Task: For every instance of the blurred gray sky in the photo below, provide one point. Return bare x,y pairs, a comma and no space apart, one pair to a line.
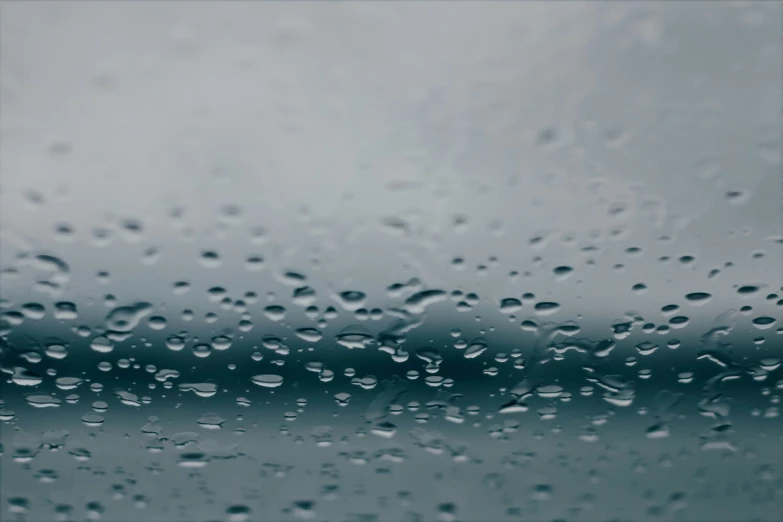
323,121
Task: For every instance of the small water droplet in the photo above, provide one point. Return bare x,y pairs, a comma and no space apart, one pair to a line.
210,259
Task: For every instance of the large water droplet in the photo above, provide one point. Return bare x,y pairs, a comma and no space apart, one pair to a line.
354,337
311,335
509,305
268,380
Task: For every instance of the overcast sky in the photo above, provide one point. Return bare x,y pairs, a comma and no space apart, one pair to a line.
322,122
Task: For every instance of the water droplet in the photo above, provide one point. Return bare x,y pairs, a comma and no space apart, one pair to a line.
65,311
43,401
311,335
352,300
292,278
216,293
748,289
669,310
764,322
210,259
342,398
541,492
354,337
254,263
238,513
102,344
268,380
368,383
698,297
272,342
303,296
434,380
509,305
132,229
551,391
93,419
679,321
737,196
275,312
33,310
304,509
202,389
195,459
418,302
25,377
202,350
546,308
175,343
56,351
221,342
315,366
211,421
35,197
64,232
476,348
157,322
646,348
181,287
68,383
18,505
447,512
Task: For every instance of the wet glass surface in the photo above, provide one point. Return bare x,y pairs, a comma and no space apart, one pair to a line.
437,261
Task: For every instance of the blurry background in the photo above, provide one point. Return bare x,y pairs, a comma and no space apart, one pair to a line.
526,165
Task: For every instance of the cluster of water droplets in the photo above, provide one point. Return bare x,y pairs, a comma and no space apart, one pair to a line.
385,364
